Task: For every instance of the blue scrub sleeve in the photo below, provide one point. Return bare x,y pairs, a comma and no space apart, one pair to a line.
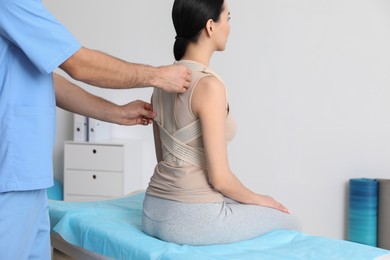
29,25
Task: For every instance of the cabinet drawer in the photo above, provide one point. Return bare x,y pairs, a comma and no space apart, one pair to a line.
93,183
94,157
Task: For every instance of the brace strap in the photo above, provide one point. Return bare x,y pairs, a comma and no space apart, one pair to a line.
177,144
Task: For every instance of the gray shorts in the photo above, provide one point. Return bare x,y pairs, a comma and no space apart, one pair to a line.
210,223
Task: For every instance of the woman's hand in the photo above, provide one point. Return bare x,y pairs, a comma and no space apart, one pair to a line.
267,201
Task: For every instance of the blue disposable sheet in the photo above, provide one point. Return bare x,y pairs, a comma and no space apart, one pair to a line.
113,228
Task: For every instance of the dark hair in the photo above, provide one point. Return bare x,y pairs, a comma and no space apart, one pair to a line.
189,18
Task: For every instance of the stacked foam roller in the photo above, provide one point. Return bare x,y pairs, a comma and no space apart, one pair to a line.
369,212
363,208
384,214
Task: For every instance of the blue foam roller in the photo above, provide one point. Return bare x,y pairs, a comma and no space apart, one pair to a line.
363,211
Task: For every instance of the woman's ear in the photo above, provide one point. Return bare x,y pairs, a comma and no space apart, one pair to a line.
210,27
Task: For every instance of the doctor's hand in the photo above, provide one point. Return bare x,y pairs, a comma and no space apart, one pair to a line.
173,78
137,112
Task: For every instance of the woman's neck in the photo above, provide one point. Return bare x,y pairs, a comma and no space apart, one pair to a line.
196,53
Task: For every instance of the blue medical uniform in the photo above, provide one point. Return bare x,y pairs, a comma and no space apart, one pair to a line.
32,44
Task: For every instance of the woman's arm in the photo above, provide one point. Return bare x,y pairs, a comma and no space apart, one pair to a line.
102,70
74,99
209,104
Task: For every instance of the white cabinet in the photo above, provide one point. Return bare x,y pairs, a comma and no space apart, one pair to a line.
104,170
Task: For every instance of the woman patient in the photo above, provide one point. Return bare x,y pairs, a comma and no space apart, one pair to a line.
193,197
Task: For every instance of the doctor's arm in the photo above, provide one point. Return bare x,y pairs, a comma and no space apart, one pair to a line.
74,99
209,104
99,69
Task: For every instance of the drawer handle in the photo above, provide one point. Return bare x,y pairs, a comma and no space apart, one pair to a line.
94,151
94,177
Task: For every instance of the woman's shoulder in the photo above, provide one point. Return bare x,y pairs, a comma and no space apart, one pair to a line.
210,83
209,94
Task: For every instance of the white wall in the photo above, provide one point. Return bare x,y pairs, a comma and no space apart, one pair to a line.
308,84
